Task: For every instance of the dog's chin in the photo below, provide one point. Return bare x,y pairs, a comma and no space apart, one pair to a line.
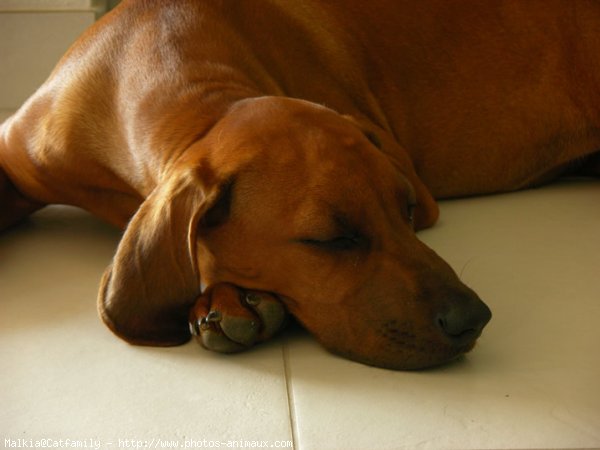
409,360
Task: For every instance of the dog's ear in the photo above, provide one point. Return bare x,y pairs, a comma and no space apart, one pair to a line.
153,281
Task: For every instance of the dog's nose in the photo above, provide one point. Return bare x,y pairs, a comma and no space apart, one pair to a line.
463,321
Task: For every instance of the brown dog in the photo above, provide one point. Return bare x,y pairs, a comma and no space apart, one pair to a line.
287,151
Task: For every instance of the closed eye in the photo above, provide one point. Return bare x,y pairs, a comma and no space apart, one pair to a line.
411,214
341,236
339,243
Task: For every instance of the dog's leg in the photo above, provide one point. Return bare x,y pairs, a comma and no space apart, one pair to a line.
589,166
14,206
592,166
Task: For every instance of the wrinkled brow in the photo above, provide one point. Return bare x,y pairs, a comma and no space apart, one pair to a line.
346,226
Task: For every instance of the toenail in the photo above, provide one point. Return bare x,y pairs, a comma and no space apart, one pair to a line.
253,299
195,327
214,316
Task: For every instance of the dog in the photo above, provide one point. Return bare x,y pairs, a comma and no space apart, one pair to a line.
267,158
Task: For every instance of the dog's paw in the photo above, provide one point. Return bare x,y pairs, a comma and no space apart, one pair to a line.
230,319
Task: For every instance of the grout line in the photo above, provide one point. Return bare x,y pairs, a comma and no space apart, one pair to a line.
290,394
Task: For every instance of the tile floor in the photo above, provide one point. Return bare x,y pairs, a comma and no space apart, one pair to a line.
532,382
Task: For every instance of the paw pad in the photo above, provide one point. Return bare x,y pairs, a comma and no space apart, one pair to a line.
229,319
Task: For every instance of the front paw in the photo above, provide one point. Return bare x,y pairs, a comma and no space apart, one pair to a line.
230,319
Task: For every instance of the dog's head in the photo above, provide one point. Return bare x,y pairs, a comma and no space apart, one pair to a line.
292,198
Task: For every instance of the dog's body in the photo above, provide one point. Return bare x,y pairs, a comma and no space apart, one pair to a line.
165,108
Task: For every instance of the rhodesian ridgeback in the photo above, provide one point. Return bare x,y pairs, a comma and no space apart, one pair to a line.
266,157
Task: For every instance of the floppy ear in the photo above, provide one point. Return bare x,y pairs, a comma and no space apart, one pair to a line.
148,290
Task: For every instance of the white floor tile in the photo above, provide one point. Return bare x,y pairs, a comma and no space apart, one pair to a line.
533,379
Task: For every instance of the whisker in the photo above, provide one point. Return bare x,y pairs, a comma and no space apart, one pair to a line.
460,275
